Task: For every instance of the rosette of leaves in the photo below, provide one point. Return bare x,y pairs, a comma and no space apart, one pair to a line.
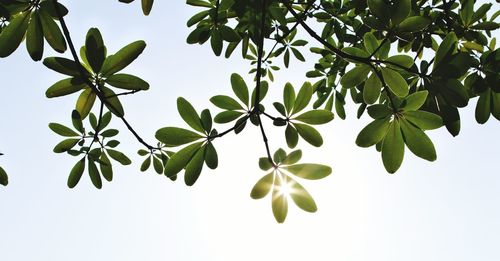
290,46
79,142
33,21
299,124
147,5
99,70
283,185
157,158
392,130
199,149
239,110
211,24
267,67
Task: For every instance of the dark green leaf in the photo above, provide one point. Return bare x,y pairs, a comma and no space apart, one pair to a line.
189,114
373,132
118,156
173,136
180,159
127,82
12,35
76,173
52,33
418,142
122,58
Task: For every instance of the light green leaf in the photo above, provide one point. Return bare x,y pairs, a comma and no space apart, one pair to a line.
415,100
309,134
76,173
288,97
315,117
417,141
424,120
355,76
373,133
12,35
65,87
372,88
303,97
180,159
396,83
309,170
262,187
240,88
393,148
301,197
173,136
65,145
85,103
124,57
189,114
194,167
226,103
279,202
292,158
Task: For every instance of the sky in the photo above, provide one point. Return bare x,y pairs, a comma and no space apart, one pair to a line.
445,210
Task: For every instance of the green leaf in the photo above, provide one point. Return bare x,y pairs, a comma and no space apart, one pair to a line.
400,59
199,3
194,167
447,47
12,35
454,93
189,114
483,107
52,33
288,97
265,164
301,197
226,103
279,156
85,103
216,42
292,158
393,148
180,159
424,120
292,136
157,165
95,51
315,117
62,130
76,173
379,8
279,202
264,87
309,134
370,42
211,158
228,34
396,83
113,102
373,133
379,111
95,177
173,136
355,76
146,164
239,88
466,11
227,116
372,88
400,10
303,97
488,25
309,170
197,18
65,145
206,120
62,65
414,24
4,179
106,167
127,82
65,87
147,5
124,57
415,100
118,156
34,37
417,141
262,187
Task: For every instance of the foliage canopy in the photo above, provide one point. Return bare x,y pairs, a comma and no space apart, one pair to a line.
408,64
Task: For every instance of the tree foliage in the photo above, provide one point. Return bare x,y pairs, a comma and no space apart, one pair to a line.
410,65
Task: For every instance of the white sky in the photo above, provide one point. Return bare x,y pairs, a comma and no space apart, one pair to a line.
446,210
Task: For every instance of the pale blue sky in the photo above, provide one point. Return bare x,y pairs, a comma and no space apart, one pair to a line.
446,210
